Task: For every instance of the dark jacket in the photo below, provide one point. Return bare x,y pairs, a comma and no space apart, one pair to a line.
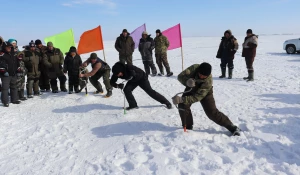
145,47
32,63
249,46
54,61
9,62
42,52
128,71
228,47
71,65
125,45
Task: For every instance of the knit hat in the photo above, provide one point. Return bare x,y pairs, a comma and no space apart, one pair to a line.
118,67
124,30
72,49
157,31
50,44
249,31
145,33
12,41
93,56
204,69
31,44
38,42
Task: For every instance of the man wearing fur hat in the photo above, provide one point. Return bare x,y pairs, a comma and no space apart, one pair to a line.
146,46
100,69
227,49
198,82
44,82
161,46
249,52
125,46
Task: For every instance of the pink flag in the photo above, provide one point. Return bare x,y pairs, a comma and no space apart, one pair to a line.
174,36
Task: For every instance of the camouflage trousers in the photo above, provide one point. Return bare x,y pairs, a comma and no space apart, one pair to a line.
20,82
162,59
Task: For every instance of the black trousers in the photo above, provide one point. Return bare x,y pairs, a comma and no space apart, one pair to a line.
44,82
62,81
149,64
209,106
73,82
145,85
9,83
227,62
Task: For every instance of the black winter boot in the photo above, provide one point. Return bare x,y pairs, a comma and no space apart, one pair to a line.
63,88
76,89
223,70
235,131
109,93
21,95
230,73
251,77
70,89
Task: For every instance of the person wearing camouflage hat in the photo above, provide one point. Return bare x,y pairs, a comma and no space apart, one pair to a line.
100,69
198,82
161,46
125,46
54,60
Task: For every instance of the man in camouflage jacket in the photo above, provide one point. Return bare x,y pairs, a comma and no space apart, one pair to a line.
21,76
161,47
198,81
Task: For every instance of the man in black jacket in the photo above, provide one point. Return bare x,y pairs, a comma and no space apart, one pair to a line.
71,65
145,47
9,66
136,77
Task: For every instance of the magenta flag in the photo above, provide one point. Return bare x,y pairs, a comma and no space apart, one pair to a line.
174,36
137,35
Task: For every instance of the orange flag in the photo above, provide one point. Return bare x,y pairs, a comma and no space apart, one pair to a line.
90,41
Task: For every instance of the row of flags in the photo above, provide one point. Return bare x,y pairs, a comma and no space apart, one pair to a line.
92,40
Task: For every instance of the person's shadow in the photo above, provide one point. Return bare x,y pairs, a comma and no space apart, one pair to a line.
86,108
129,128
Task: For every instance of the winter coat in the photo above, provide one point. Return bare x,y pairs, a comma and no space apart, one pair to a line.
71,65
32,62
42,52
54,61
202,88
136,73
9,62
125,45
249,46
145,47
228,47
161,44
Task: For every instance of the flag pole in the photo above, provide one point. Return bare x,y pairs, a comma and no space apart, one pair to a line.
103,44
182,57
181,46
104,55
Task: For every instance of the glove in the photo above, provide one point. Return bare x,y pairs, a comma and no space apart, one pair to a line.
133,73
120,86
190,83
176,100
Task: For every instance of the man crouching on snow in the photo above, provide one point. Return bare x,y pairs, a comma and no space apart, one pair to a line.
198,81
136,77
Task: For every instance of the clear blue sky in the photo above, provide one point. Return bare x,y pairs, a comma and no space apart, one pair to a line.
35,19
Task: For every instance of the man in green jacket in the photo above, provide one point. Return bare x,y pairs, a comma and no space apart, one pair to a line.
125,46
161,47
198,81
54,61
32,60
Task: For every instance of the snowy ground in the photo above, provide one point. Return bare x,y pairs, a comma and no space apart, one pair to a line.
78,134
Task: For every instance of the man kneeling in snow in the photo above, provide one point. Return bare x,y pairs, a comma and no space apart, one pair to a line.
136,77
198,81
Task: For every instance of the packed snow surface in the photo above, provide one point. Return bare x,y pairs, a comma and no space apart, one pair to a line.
78,134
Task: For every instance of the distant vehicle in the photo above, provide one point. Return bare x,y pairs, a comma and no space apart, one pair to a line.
292,46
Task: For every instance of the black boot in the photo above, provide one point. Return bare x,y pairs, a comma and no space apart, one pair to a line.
63,88
230,73
235,131
76,89
21,95
70,89
109,93
223,70
251,77
16,102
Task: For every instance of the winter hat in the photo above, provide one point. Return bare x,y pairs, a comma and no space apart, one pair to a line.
249,31
72,49
204,69
50,44
6,44
93,56
124,30
228,31
157,31
118,67
145,33
31,44
12,41
38,42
